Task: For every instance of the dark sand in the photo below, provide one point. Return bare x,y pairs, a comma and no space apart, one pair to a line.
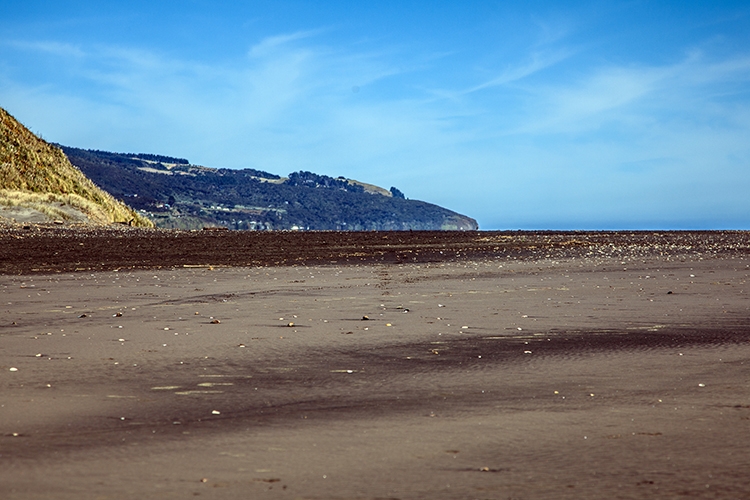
512,365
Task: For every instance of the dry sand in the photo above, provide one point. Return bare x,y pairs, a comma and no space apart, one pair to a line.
475,379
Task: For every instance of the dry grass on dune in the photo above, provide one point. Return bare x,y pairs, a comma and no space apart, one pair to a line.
36,175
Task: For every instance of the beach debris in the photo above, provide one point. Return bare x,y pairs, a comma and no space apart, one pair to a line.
215,412
290,324
121,340
701,385
12,369
204,480
388,324
441,305
365,318
215,322
527,352
241,345
117,315
83,316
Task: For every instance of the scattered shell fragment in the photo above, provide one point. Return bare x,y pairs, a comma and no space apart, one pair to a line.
117,315
13,369
215,412
215,321
365,318
290,324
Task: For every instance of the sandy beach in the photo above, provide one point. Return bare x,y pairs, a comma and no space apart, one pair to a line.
477,366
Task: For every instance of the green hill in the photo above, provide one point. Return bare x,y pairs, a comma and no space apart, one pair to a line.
38,182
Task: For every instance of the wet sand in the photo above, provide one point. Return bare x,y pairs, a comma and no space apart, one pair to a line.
566,371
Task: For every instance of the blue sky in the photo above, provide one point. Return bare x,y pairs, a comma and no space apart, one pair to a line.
523,115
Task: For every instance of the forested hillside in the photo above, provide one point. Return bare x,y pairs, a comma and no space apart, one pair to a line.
175,194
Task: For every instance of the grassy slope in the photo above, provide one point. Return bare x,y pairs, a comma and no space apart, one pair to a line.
37,175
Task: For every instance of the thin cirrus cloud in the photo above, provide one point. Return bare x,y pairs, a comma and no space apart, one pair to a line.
637,94
61,49
538,62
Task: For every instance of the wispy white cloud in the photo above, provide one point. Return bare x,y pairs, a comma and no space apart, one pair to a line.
538,61
633,94
272,44
53,48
